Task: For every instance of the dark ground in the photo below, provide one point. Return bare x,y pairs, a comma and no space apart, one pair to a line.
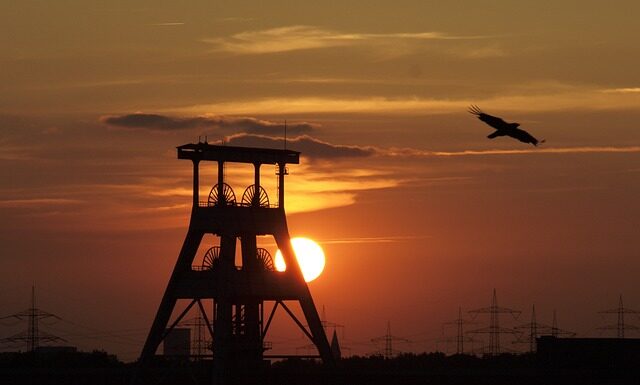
100,368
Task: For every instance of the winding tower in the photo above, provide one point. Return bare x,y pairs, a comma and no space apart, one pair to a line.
237,326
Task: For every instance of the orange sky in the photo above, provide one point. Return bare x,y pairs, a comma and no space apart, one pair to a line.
417,211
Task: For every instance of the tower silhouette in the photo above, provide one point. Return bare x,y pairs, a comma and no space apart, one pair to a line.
556,331
534,328
494,330
621,326
34,336
327,325
238,292
388,351
200,344
460,338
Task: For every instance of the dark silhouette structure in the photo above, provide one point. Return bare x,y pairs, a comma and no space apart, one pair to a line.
388,351
556,331
34,336
615,355
534,328
621,326
460,338
237,326
503,128
495,330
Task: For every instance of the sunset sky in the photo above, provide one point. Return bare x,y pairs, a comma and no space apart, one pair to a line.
417,211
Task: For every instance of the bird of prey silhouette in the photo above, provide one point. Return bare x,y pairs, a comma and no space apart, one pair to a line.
503,128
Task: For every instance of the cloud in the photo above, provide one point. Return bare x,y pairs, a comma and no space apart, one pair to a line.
167,24
411,152
628,90
38,202
557,150
553,98
303,37
310,147
230,124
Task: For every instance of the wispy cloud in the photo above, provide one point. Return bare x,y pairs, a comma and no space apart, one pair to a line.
230,124
168,24
479,52
317,149
309,146
303,37
629,90
552,150
38,202
325,105
358,240
520,98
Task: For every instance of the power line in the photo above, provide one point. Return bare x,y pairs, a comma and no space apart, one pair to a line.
460,338
621,326
494,330
33,336
388,351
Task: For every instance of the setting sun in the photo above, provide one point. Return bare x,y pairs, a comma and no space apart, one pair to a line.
310,257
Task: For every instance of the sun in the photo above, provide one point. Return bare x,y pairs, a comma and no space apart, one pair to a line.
310,257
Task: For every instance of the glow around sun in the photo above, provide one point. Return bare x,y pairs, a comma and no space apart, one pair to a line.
309,255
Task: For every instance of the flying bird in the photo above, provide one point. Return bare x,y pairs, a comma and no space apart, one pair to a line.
503,128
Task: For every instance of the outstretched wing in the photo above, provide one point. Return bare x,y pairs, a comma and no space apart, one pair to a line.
491,120
523,136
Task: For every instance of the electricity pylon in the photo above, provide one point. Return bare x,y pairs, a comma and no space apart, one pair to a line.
388,351
494,330
621,326
460,338
33,336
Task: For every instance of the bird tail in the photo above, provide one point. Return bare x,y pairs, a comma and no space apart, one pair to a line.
541,142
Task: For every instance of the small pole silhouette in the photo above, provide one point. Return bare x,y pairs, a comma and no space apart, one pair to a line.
621,326
494,330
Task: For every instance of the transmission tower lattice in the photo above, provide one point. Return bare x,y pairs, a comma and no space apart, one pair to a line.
460,338
388,339
556,331
327,326
494,330
621,326
33,336
201,345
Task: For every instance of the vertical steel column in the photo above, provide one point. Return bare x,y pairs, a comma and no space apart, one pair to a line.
196,183
281,171
256,196
221,198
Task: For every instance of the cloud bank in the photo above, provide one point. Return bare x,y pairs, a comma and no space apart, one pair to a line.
307,145
304,37
230,124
